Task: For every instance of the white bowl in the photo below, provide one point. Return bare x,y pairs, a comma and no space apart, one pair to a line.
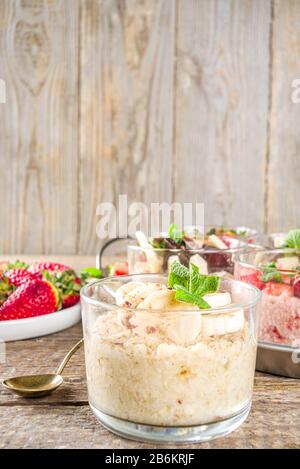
28,328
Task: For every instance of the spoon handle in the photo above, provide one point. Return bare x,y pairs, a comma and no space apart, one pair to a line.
68,356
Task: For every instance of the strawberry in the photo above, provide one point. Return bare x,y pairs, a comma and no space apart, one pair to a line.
68,284
70,300
6,288
225,239
254,279
296,287
277,289
118,268
50,267
19,276
249,275
32,298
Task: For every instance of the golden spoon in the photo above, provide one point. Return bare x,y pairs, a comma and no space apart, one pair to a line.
39,385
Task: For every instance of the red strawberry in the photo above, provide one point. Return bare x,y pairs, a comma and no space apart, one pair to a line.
70,300
32,298
277,289
19,276
6,288
118,268
225,240
296,287
50,267
249,275
254,279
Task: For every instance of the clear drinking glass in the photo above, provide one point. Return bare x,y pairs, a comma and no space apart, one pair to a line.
159,260
169,376
280,306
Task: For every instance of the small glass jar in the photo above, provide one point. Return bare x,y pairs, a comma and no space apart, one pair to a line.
169,376
159,260
280,310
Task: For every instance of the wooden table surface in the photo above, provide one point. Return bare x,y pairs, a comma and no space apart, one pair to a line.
64,420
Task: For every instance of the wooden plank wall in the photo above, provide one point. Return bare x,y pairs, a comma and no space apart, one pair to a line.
162,100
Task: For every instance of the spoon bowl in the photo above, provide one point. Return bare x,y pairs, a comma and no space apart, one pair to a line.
33,386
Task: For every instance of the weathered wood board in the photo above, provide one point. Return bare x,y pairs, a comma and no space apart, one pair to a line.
283,188
39,126
162,100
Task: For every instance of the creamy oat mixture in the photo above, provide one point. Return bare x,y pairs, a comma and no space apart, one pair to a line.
169,369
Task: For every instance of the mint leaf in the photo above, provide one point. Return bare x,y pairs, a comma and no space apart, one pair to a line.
203,284
92,272
179,275
182,294
196,279
211,284
158,243
293,239
190,286
175,234
270,272
275,276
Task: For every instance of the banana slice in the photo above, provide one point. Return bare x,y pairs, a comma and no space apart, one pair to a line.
287,263
200,263
221,324
161,300
279,240
132,297
217,300
123,291
181,328
155,262
217,242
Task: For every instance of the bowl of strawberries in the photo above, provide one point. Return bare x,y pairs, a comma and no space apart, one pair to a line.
39,299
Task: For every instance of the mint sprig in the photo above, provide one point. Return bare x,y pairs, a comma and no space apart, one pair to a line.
175,233
270,272
190,286
293,239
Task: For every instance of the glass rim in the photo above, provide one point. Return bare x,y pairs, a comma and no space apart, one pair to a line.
243,246
265,251
214,311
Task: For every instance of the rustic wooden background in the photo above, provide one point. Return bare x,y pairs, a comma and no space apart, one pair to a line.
163,100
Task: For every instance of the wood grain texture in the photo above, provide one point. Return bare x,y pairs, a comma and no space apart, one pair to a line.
163,100
39,126
221,108
283,196
273,422
126,105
